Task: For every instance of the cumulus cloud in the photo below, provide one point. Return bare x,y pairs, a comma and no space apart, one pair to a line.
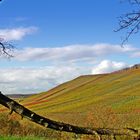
16,33
71,53
33,80
107,66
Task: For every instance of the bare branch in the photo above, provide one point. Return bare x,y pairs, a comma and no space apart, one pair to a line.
130,21
6,48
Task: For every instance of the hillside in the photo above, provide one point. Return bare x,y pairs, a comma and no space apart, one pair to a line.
105,94
118,90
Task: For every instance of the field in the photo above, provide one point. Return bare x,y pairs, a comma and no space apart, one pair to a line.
107,100
21,138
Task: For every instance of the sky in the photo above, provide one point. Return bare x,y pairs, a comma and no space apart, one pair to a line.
59,40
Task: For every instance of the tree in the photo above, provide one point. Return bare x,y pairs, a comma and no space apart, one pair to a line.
130,21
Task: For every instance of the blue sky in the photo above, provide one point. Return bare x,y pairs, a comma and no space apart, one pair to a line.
58,40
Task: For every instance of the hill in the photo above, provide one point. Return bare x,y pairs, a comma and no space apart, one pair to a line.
104,97
116,89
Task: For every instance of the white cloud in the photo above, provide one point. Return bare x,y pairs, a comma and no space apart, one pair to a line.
107,66
33,80
16,33
71,53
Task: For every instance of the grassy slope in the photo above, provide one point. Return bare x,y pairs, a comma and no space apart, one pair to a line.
73,100
21,138
118,90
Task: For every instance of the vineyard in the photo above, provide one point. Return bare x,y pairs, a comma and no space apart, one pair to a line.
95,101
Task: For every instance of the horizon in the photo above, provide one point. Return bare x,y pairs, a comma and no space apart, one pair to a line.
56,41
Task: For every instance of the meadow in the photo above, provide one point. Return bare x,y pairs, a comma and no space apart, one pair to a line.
105,101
